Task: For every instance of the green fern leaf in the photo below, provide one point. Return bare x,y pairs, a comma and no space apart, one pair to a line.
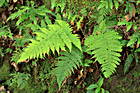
134,38
105,47
57,36
128,62
66,64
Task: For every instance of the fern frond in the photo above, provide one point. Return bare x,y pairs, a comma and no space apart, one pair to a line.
105,47
57,36
30,13
134,38
66,64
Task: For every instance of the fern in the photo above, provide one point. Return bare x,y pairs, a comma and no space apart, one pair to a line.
105,47
56,37
134,38
28,14
66,64
5,32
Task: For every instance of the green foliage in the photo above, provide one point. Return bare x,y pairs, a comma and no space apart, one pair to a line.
67,62
1,52
47,36
30,14
16,56
103,9
30,18
105,47
128,62
135,38
56,37
58,3
128,24
18,80
133,56
3,2
5,32
136,74
87,62
4,70
108,4
97,87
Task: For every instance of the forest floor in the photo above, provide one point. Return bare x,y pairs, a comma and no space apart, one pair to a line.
120,83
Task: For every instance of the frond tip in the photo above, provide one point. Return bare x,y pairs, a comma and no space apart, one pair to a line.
105,47
57,36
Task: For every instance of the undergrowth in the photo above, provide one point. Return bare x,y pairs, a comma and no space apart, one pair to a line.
54,45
